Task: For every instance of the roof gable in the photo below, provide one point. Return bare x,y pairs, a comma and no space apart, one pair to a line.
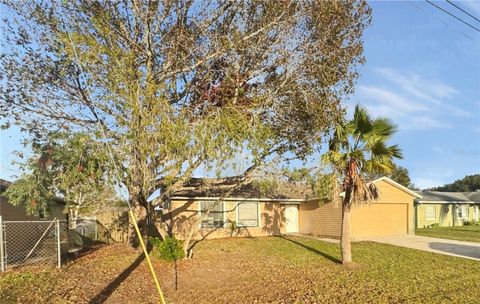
397,185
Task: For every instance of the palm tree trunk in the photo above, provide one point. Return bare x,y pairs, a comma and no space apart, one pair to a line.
345,243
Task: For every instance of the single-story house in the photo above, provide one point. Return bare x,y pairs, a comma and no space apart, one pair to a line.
446,208
199,212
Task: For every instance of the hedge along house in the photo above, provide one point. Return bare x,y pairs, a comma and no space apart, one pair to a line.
199,213
446,208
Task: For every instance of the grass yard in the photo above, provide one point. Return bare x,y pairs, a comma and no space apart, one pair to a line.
461,233
260,270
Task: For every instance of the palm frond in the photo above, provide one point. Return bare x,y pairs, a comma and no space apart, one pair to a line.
395,151
362,121
362,191
384,127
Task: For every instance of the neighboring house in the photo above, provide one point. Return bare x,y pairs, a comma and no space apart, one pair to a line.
198,212
10,212
446,208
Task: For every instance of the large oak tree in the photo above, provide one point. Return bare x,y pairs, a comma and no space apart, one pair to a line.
172,86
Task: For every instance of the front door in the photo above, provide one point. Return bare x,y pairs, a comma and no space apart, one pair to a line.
291,218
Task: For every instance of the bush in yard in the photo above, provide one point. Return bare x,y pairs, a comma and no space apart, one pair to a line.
170,250
471,223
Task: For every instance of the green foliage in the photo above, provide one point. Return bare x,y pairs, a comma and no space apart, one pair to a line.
32,192
170,87
72,166
469,183
324,184
433,225
169,97
170,249
471,223
265,185
401,176
398,174
358,148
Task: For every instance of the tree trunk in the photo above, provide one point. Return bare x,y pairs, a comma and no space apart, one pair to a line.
345,242
176,275
140,212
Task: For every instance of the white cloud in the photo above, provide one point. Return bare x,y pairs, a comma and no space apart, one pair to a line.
407,113
430,91
392,99
413,101
426,123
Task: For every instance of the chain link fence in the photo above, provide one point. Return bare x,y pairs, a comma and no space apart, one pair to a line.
45,242
29,242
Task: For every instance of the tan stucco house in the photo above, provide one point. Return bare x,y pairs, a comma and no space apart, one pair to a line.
200,213
446,208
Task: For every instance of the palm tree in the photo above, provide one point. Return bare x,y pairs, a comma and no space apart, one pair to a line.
357,148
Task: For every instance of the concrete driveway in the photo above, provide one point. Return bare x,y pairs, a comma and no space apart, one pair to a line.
468,250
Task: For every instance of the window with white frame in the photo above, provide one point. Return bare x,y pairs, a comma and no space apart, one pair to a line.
462,212
430,212
247,214
212,214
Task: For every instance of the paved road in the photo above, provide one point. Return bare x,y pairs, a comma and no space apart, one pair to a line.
468,250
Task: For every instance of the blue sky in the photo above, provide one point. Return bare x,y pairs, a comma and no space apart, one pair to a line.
422,71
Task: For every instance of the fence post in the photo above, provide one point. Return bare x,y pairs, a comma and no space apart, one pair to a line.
96,229
2,253
59,254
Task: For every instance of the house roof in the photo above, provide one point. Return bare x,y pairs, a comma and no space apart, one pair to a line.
449,197
474,196
397,185
4,184
214,188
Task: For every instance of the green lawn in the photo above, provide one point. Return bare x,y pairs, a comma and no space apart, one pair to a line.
461,233
255,270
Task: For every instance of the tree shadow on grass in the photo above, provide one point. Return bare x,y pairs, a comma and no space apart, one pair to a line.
107,291
311,249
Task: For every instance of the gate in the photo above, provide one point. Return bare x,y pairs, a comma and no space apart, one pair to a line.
29,242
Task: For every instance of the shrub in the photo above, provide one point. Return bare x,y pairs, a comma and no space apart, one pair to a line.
169,249
433,225
471,223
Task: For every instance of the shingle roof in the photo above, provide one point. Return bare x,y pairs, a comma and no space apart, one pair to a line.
4,184
212,187
436,196
474,196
